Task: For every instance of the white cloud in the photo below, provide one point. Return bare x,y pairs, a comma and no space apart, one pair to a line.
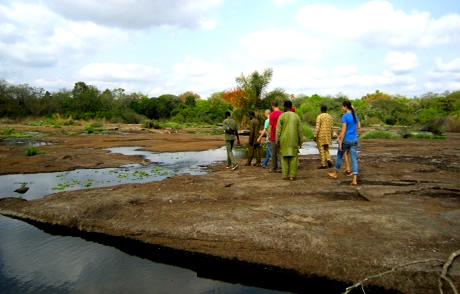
290,46
345,70
448,67
113,72
35,36
202,77
140,13
377,23
401,62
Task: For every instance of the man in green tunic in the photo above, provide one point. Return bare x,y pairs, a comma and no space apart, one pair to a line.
231,132
289,138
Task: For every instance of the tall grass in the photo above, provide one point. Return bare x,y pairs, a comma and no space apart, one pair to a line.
380,135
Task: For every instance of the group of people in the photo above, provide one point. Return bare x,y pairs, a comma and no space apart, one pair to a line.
284,139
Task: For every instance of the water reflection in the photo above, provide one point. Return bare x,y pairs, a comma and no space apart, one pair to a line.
32,261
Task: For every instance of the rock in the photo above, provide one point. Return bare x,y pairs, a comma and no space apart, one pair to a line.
22,190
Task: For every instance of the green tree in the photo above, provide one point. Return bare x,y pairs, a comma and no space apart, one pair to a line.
254,84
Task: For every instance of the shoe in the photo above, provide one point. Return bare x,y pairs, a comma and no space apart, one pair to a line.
348,173
329,163
227,167
322,167
235,167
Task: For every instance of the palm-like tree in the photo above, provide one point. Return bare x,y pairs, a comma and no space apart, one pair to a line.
254,84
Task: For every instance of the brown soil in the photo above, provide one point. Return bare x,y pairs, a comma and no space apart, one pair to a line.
406,208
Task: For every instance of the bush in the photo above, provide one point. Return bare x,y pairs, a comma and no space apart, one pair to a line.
453,124
150,124
380,135
31,151
307,131
8,131
435,125
89,129
427,136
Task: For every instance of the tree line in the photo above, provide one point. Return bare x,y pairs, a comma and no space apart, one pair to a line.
431,110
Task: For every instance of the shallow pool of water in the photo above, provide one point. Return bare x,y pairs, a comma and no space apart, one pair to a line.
33,261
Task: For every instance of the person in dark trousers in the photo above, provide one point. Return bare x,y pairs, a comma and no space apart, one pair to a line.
254,144
273,121
231,133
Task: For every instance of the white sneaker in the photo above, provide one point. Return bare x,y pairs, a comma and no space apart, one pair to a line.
235,167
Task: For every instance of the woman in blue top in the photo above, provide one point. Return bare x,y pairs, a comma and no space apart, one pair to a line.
348,141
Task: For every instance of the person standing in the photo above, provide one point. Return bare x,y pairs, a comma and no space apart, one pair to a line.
289,138
348,141
273,121
323,136
265,132
254,144
231,133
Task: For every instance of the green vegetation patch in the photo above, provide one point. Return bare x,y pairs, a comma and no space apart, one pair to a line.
380,135
426,136
31,151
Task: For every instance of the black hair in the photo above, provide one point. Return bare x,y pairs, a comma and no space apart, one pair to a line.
275,103
347,104
227,114
323,108
252,114
288,104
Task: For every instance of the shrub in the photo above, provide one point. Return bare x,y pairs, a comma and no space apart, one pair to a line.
31,151
427,136
307,131
150,124
380,135
89,129
453,124
8,131
435,125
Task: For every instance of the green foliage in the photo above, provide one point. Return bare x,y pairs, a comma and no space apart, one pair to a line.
377,134
307,131
150,124
432,111
31,151
427,136
89,129
8,131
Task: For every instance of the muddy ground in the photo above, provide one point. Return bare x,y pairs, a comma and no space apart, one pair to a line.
406,210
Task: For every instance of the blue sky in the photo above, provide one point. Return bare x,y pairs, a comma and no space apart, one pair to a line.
157,47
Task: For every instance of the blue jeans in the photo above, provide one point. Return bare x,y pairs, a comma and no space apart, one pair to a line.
352,147
267,155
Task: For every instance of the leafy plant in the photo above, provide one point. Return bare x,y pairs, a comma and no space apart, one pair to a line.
31,151
377,134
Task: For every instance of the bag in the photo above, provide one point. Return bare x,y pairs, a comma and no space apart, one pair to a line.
229,130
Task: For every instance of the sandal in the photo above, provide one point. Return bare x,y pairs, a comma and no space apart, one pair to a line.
348,173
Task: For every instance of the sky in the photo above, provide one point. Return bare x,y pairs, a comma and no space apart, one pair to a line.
353,47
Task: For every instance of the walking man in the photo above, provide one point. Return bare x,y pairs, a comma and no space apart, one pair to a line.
254,144
289,138
231,132
323,136
265,132
273,121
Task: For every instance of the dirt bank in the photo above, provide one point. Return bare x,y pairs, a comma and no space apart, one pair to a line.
406,209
